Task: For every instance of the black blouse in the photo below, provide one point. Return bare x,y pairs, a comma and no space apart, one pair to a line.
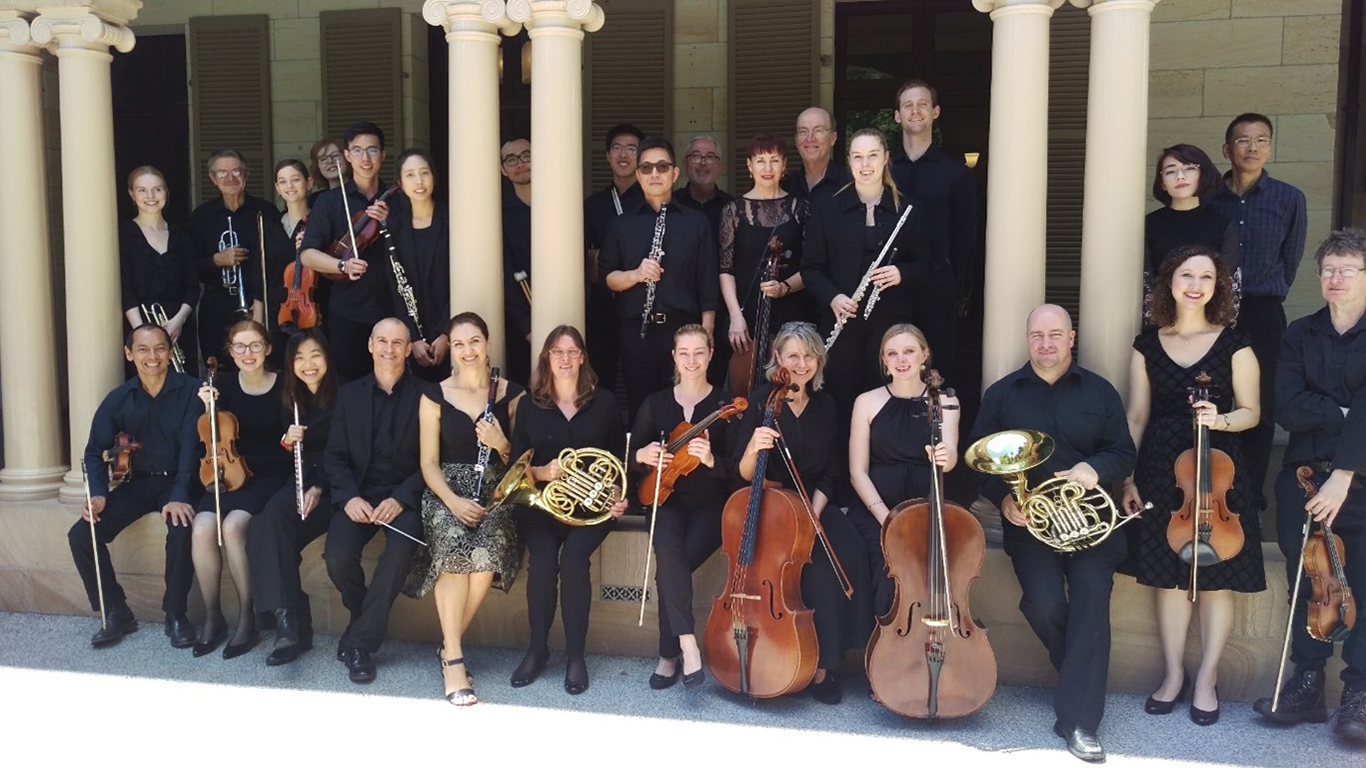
146,276
458,442
1166,229
423,254
810,437
318,423
661,413
261,423
746,228
547,432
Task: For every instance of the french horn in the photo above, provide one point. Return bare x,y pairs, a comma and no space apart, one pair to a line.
594,480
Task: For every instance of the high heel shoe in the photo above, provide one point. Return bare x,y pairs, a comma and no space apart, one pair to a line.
211,642
1154,706
461,697
1205,716
533,664
659,682
232,651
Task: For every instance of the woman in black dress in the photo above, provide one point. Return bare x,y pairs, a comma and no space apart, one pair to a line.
1184,176
889,433
469,546
279,534
1193,314
566,409
422,242
688,524
252,393
807,425
156,265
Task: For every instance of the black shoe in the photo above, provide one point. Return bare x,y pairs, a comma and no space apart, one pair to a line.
285,655
827,691
575,677
533,664
118,621
293,636
211,643
1301,700
1205,716
180,630
1081,742
286,627
360,665
460,697
1154,706
659,682
1350,723
233,650
694,679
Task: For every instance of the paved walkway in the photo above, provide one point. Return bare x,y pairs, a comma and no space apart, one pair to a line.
140,702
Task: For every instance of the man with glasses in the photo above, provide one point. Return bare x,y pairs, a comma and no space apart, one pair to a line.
362,298
227,254
1271,221
516,168
820,176
1321,401
681,274
704,164
601,207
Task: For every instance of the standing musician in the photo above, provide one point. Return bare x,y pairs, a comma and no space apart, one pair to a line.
422,241
156,265
807,426
704,164
227,252
1193,312
292,185
360,297
279,534
600,209
325,167
1066,596
660,258
565,409
1321,401
464,425
158,410
252,394
888,435
372,465
688,524
821,174
515,165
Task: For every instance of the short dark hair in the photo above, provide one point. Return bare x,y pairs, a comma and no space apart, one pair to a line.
918,83
621,129
1219,310
128,337
1247,117
766,143
1186,154
1348,241
656,143
362,128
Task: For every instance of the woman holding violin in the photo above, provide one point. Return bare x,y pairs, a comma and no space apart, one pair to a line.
156,266
422,246
251,394
807,425
1192,311
292,292
688,522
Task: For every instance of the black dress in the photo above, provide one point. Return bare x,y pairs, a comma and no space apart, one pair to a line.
1168,433
169,279
1166,229
746,228
260,425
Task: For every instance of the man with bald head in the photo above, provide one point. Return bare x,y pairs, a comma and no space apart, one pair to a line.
820,174
372,464
1066,595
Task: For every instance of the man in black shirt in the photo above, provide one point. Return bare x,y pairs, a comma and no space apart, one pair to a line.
662,250
601,207
363,298
1321,401
820,175
947,194
1066,596
704,164
159,409
372,464
516,168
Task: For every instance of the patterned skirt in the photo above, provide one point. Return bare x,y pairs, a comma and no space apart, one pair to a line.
453,547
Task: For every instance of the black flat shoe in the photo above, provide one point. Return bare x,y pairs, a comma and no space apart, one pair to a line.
211,644
693,679
533,664
1155,706
827,691
118,621
180,630
575,677
233,650
659,682
1205,716
360,666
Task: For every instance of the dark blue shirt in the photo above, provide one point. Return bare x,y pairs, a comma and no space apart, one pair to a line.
1271,224
165,425
1320,372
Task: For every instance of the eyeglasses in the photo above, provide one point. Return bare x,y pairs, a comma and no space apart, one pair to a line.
698,157
812,133
1183,170
236,173
566,354
629,149
662,167
512,161
242,349
1346,273
370,152
1243,142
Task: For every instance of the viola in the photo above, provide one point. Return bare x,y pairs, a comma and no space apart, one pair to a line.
1332,612
1204,531
119,458
746,367
363,233
218,430
928,658
683,463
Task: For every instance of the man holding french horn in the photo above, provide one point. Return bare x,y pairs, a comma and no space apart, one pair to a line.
1053,406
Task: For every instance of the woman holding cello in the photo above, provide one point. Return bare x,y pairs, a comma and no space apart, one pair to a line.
1192,311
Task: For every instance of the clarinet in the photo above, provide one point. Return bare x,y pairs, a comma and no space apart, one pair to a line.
656,253
405,291
485,453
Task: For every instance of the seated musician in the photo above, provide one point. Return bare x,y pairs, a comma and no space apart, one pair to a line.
888,436
1321,401
158,410
807,424
371,462
688,524
1066,596
565,409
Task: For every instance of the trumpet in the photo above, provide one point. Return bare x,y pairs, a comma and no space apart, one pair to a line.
155,314
232,276
594,480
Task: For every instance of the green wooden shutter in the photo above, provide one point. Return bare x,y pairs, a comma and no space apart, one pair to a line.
628,77
361,66
229,67
1068,78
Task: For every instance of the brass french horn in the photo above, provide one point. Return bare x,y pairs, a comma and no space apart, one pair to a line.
593,481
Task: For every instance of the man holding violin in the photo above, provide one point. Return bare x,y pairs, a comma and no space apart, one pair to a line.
1321,401
158,410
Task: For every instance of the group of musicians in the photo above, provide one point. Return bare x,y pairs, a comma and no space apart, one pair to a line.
397,421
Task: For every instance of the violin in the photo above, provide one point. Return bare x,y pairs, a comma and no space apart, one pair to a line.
1204,531
119,458
683,463
218,431
928,658
299,310
746,367
363,233
1332,612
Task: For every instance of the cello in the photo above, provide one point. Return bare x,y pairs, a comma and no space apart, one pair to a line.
1204,531
928,658
745,368
683,463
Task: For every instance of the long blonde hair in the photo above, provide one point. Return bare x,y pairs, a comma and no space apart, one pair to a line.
886,169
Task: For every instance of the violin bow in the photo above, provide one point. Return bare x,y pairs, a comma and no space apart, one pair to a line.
654,516
350,225
94,546
1305,476
265,291
212,365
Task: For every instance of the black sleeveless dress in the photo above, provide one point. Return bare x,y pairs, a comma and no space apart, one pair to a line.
1168,433
897,437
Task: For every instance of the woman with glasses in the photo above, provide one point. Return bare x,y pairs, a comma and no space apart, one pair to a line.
1184,177
156,266
324,169
422,242
253,394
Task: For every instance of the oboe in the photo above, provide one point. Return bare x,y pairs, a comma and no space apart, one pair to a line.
485,452
656,253
405,291
868,278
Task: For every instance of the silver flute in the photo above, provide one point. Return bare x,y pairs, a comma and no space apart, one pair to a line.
485,453
298,449
155,314
862,288
232,276
405,290
656,253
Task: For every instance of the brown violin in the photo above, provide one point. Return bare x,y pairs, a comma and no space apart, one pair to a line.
927,657
299,310
218,431
362,234
745,368
119,458
683,463
1332,611
1204,531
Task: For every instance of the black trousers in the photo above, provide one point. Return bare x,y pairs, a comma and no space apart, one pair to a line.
1263,319
687,532
217,312
370,606
122,507
841,622
1350,525
1067,603
647,364
934,310
518,366
557,559
275,539
601,331
881,587
348,341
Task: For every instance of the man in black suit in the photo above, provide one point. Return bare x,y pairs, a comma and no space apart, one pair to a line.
372,464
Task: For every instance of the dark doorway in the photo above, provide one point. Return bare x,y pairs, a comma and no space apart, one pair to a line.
152,119
1351,187
514,92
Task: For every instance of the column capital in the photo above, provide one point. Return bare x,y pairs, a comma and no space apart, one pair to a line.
999,8
576,15
486,16
91,26
16,34
1100,6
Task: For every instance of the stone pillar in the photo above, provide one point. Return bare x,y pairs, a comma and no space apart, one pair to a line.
476,208
1116,186
33,441
1017,187
556,28
80,36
